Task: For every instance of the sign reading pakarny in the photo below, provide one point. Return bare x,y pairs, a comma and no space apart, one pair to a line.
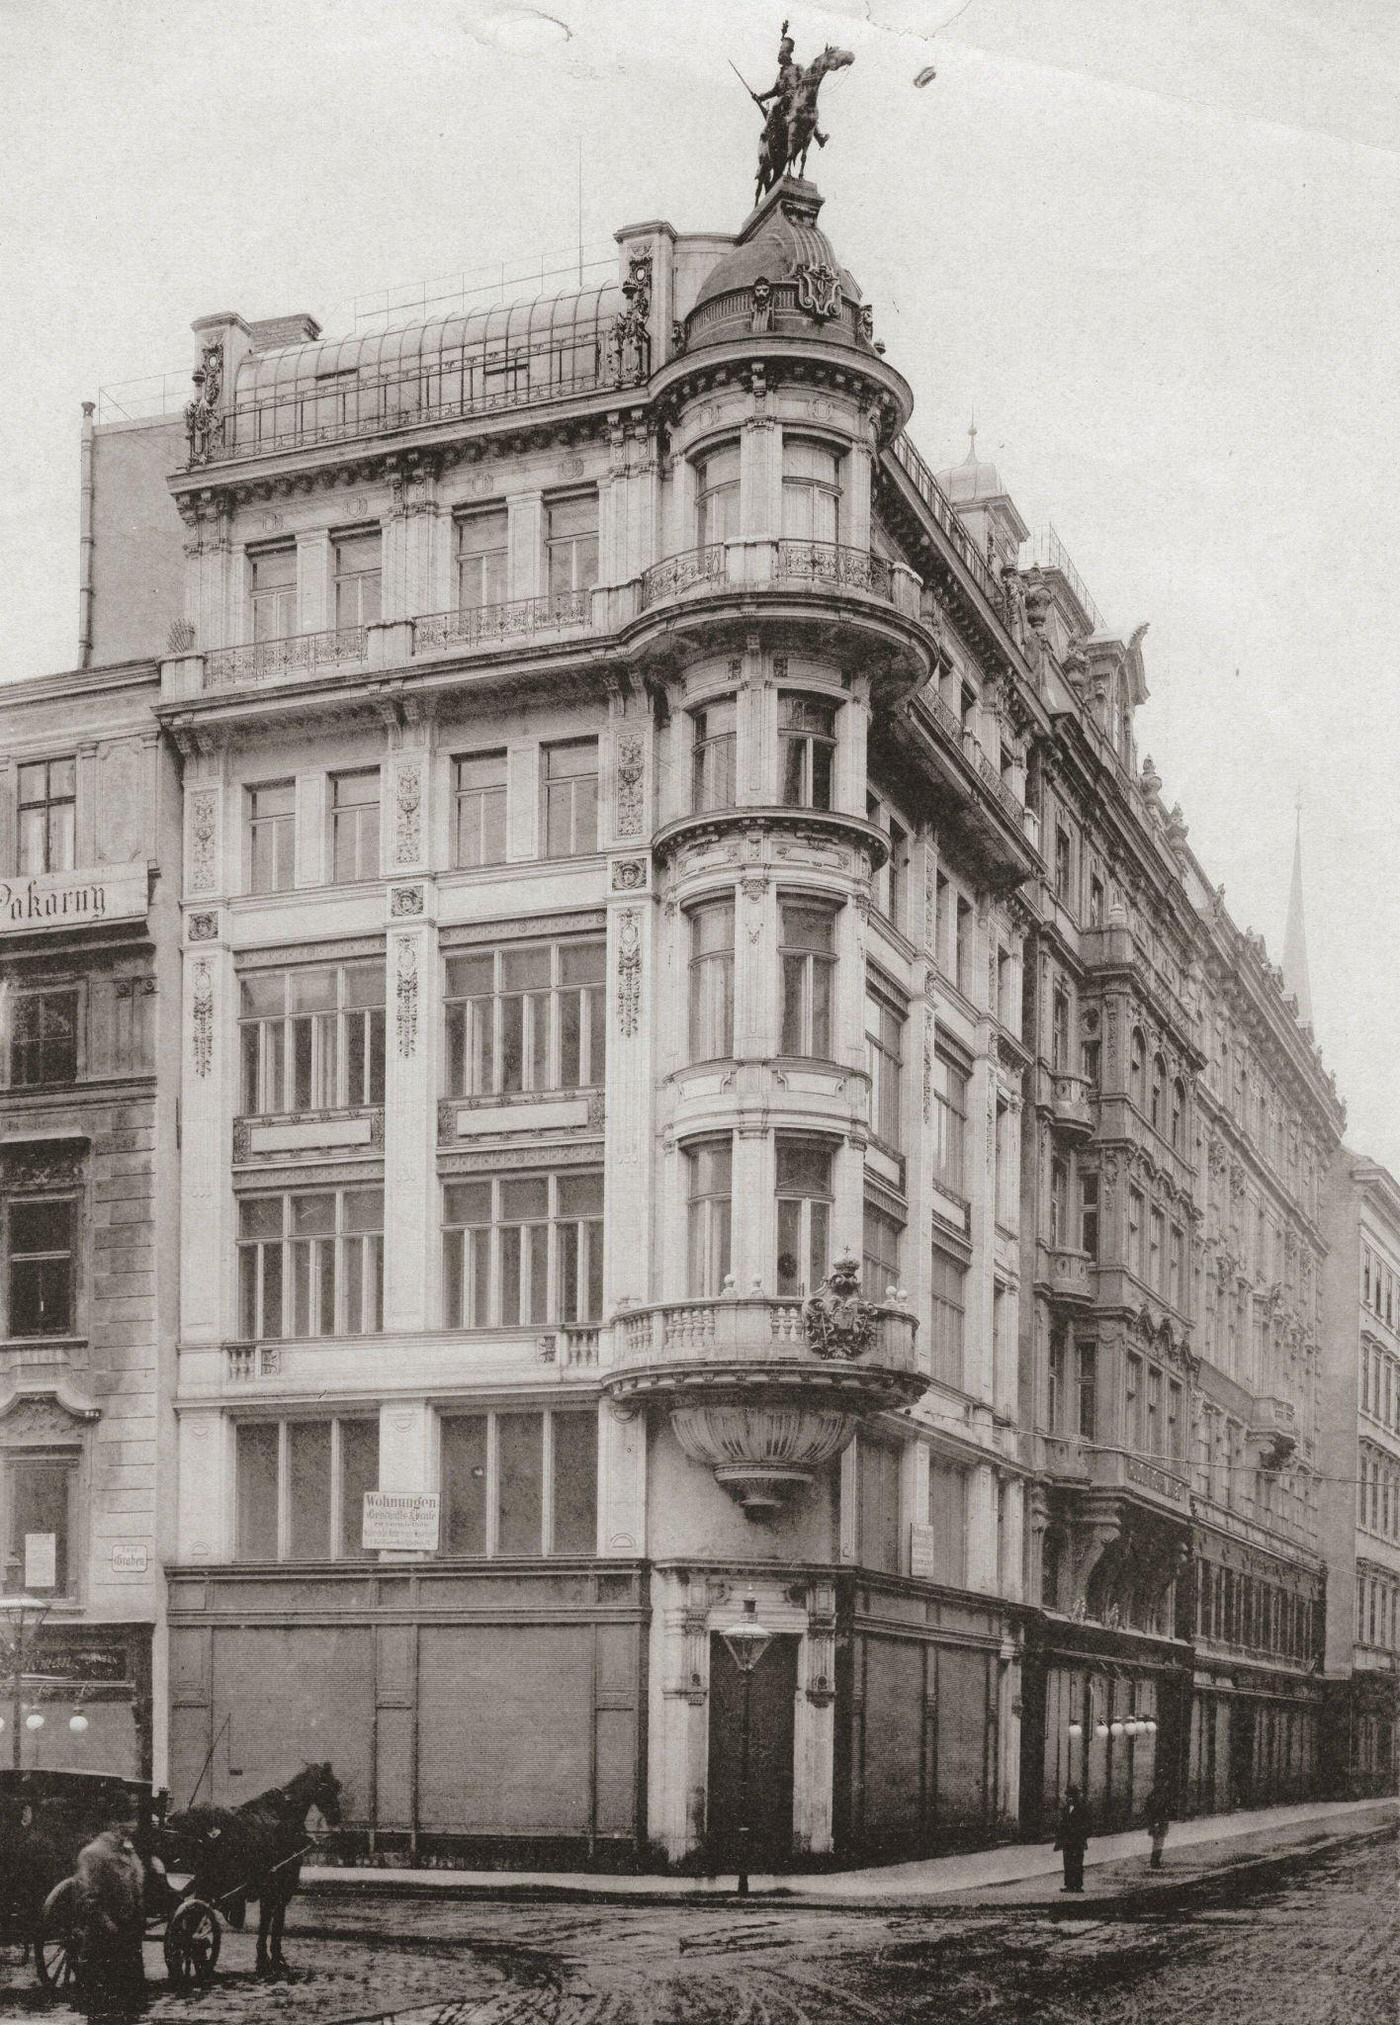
405,1522
72,899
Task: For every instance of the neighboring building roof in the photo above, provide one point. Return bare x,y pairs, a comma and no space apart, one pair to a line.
1296,982
973,479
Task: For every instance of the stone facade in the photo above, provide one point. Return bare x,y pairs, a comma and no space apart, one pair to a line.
1359,1443
89,854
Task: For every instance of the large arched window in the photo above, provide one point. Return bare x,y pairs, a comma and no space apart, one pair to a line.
1137,1074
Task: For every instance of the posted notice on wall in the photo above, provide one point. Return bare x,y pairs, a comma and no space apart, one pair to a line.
402,1523
923,1553
40,1560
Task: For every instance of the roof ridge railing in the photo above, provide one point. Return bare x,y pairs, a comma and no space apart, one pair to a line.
441,294
1049,552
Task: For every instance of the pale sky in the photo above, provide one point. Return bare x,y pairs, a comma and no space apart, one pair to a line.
1153,243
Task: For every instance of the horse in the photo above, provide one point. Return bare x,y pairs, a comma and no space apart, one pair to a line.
791,126
255,1851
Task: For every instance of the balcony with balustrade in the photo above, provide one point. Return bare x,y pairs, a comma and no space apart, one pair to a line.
755,1390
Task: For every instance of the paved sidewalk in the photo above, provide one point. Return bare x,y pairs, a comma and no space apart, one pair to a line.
1017,1873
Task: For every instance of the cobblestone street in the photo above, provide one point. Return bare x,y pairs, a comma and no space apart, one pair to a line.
1313,1938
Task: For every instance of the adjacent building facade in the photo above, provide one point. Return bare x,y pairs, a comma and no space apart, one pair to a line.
89,885
1360,1441
705,1072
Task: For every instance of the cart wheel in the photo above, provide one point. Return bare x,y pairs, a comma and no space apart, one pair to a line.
192,1940
58,1939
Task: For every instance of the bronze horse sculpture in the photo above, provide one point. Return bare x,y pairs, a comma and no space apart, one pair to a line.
791,123
255,1851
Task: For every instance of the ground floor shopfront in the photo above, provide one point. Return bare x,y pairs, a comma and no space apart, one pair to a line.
1361,1732
1255,1737
84,1701
1103,1710
590,1713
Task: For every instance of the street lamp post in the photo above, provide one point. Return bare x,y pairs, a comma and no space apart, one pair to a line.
25,1614
747,1642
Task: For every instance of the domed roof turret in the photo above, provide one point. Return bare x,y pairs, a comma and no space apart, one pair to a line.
782,275
973,479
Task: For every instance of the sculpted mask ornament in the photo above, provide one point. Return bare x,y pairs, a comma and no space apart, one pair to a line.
837,1321
761,306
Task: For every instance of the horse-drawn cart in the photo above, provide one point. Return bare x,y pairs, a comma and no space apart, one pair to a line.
46,1820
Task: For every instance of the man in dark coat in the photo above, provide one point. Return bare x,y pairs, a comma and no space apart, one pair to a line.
1158,1819
112,1914
1072,1838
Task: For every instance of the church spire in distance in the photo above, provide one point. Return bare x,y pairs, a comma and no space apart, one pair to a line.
1295,941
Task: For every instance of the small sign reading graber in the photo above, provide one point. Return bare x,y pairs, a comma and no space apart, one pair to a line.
403,1523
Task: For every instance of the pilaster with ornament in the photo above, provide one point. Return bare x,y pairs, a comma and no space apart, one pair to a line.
208,1100
629,1124
410,1110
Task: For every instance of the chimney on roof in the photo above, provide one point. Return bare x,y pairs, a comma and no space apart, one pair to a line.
272,332
1295,941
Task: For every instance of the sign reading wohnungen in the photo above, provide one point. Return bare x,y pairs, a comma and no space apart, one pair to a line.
72,899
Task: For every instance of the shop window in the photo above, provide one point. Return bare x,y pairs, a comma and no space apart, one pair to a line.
571,798
43,1038
495,1470
312,1039
47,802
523,1250
39,1492
299,1487
311,1263
804,1215
41,1233
526,1016
709,1216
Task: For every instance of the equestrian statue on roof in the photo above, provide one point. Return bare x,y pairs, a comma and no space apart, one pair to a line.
790,122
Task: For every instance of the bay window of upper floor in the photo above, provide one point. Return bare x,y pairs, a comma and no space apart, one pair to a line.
311,1262
525,1017
812,491
311,1037
786,747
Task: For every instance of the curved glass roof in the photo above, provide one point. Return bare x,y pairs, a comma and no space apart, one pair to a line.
512,355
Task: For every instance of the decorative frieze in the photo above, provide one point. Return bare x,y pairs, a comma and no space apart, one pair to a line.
631,772
202,1016
204,825
408,816
629,971
406,996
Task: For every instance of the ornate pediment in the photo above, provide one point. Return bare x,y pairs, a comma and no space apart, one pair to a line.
50,1415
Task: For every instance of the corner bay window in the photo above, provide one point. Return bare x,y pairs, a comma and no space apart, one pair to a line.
479,809
711,995
571,798
807,950
709,1217
528,1016
482,550
311,1263
355,826
712,756
272,811
313,1039
717,495
43,1038
807,738
804,1215
47,799
300,1487
523,1250
41,1233
811,491
38,1492
519,1483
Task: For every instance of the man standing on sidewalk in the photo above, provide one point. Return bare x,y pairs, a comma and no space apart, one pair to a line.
1072,1838
1158,1819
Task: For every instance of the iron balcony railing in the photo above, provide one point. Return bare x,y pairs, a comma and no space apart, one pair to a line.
678,572
946,514
952,730
830,562
270,660
488,625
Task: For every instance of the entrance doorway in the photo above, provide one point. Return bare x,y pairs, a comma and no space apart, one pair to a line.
771,1735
